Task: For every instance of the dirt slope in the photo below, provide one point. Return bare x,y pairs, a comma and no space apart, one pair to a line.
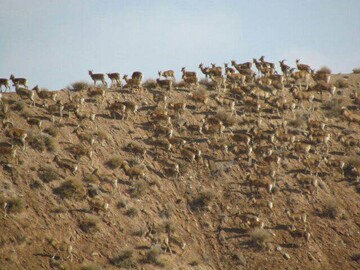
210,207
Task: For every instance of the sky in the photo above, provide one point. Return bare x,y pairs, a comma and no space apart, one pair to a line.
54,43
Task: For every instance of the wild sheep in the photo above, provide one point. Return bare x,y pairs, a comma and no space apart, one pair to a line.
219,82
34,122
188,74
66,164
115,79
205,70
284,68
58,107
127,108
132,83
15,133
7,149
199,97
25,93
45,94
300,76
167,84
4,82
190,81
167,74
302,67
97,77
137,76
134,172
323,86
19,81
247,65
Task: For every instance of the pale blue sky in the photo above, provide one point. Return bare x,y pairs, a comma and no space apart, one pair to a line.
55,42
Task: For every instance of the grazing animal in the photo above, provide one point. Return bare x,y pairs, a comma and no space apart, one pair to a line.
97,77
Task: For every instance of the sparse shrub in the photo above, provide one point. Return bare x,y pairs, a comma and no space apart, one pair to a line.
341,83
169,226
48,174
101,135
325,69
36,142
52,131
35,184
59,209
25,114
194,263
90,178
121,204
90,267
14,204
354,161
297,122
18,106
132,212
89,225
356,257
149,84
333,107
71,189
180,84
260,237
79,86
202,200
114,162
356,70
331,208
225,118
138,188
125,260
205,82
50,143
167,211
153,254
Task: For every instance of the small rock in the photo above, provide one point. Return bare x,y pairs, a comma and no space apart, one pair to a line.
278,248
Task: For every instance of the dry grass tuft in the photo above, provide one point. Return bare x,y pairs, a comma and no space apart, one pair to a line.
324,70
36,142
225,118
333,107
48,174
356,70
18,106
260,237
341,83
150,84
71,189
152,256
50,143
125,260
14,204
89,225
138,189
132,212
79,86
331,208
354,161
114,162
297,122
52,131
90,267
202,200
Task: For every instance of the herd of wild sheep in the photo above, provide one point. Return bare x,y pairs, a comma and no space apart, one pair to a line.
247,113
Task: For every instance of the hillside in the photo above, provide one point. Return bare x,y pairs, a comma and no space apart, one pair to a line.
218,212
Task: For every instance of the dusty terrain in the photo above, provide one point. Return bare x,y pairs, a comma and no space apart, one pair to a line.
208,213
